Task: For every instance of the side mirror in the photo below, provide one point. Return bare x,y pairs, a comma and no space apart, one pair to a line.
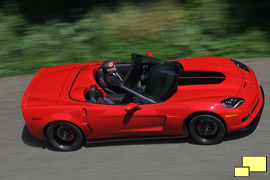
132,107
150,54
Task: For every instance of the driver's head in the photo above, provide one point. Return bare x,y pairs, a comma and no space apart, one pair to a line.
108,66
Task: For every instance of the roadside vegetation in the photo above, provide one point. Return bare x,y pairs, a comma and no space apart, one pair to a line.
40,36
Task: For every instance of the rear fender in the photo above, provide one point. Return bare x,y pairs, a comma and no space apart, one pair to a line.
44,132
38,118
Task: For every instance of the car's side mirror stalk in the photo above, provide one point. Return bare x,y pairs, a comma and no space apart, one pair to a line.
132,107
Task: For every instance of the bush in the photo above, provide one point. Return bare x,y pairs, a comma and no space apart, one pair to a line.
168,29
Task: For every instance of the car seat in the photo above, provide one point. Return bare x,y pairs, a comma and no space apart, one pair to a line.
101,81
96,96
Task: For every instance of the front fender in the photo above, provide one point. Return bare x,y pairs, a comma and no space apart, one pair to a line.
178,111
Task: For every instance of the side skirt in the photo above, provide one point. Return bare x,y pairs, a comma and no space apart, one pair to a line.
134,139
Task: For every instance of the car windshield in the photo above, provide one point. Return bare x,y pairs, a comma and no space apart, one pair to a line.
153,78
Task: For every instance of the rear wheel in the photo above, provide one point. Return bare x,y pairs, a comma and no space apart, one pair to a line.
206,129
64,136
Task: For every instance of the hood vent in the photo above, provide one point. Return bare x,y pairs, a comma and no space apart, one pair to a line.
200,77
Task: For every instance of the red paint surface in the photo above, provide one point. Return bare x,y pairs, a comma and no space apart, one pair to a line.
58,94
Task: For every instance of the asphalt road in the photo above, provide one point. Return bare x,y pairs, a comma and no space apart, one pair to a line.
24,158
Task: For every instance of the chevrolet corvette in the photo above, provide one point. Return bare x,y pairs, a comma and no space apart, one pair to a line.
203,98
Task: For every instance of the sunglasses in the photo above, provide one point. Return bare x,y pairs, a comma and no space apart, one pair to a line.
111,67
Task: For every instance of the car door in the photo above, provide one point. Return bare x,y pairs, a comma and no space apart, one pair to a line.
124,120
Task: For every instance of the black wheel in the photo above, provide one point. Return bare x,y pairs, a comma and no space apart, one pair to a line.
64,136
206,129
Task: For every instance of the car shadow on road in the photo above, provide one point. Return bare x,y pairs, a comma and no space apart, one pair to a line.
137,141
239,134
30,140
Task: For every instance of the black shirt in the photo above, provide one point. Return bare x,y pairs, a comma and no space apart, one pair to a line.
113,81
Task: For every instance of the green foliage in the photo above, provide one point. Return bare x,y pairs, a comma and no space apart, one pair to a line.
168,29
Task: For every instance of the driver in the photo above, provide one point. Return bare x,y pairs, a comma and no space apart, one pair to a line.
112,77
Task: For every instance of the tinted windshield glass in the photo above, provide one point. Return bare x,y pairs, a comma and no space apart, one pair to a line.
152,77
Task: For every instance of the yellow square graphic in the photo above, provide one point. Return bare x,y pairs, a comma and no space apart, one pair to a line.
256,164
241,171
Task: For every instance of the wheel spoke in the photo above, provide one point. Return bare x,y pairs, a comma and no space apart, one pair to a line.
64,136
206,129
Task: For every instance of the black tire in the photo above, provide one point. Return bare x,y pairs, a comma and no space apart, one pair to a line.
207,129
64,136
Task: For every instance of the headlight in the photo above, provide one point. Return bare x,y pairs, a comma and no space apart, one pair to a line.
241,65
232,102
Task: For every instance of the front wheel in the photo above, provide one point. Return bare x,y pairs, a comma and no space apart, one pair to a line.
207,129
64,136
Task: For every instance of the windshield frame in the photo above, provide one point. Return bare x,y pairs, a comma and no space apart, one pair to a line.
130,83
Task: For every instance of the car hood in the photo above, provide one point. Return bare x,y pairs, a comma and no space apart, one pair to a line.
208,77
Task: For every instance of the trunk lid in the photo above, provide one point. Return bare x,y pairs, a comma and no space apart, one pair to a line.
46,85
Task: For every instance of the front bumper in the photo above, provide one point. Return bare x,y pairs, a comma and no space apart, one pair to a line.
252,126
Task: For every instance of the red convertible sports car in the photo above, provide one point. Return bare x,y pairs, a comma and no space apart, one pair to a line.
203,98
